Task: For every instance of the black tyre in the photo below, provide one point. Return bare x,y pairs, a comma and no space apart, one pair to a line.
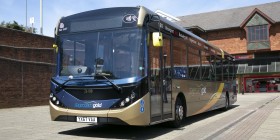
179,113
226,104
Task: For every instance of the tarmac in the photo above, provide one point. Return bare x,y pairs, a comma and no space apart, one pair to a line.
255,116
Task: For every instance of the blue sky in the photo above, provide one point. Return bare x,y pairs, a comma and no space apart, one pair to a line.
11,10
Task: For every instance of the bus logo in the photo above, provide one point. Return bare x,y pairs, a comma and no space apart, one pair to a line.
203,91
97,105
88,105
62,27
129,18
85,105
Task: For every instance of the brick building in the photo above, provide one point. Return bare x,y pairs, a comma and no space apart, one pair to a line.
26,66
252,35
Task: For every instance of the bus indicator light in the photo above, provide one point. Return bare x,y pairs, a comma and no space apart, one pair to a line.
122,104
132,95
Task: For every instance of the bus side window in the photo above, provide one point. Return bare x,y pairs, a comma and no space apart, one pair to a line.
194,63
219,69
212,70
206,67
180,69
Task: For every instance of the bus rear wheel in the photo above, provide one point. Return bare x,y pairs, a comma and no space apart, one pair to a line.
179,113
226,104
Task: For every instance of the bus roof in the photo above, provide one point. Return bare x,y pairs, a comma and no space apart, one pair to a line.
144,11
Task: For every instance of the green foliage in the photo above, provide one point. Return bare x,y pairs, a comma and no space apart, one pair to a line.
16,26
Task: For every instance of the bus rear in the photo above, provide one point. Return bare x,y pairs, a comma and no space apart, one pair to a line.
101,69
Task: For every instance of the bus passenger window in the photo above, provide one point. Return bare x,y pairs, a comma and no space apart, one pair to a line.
206,67
194,63
180,69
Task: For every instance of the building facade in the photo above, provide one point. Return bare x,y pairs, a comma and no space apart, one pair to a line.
252,35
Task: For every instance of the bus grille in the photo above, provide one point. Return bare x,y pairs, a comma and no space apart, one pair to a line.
97,93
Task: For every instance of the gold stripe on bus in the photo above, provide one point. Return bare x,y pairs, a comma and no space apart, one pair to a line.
213,100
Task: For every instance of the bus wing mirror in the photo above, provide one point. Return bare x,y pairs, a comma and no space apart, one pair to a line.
55,47
157,39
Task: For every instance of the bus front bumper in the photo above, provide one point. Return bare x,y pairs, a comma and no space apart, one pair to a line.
131,115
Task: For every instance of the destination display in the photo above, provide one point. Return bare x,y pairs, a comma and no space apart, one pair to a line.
96,24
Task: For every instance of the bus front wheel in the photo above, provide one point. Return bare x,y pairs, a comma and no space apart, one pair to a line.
179,113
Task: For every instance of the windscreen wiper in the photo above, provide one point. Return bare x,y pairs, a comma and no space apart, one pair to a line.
119,89
59,87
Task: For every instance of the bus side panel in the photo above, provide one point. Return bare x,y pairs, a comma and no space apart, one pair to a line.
214,99
136,114
197,93
200,96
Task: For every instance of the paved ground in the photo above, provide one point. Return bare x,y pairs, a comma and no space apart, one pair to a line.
254,116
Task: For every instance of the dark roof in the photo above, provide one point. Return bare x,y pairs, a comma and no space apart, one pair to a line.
229,18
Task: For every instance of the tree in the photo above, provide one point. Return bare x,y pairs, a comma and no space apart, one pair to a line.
2,24
16,26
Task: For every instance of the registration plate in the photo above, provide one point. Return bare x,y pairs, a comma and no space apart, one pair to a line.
87,119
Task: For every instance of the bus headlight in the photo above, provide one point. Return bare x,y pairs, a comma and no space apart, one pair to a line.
128,100
130,96
55,100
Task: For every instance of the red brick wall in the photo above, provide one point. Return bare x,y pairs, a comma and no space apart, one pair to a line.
11,37
26,66
28,54
234,40
275,37
24,84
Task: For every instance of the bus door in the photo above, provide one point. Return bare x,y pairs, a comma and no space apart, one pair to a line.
161,83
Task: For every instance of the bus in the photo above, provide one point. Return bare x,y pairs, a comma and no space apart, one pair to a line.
129,66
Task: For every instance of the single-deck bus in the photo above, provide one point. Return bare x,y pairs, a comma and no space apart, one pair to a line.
130,66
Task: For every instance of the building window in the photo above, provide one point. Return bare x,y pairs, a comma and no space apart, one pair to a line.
257,33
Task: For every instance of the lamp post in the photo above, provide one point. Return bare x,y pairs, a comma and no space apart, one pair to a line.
25,15
41,17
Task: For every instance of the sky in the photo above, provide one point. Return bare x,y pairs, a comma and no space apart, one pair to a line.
53,10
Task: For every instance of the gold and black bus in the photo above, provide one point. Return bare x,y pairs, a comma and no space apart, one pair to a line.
130,66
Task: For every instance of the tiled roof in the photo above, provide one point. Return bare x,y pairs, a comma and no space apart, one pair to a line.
229,18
